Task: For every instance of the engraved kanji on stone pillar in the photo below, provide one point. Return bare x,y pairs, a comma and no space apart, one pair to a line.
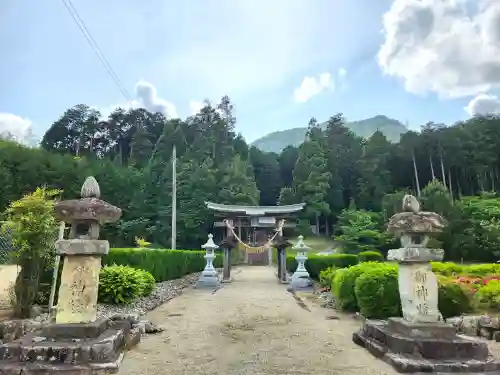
82,252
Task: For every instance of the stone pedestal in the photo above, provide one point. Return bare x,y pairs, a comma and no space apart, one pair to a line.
78,348
425,347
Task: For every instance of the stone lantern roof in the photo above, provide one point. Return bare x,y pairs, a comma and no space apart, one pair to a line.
415,221
89,208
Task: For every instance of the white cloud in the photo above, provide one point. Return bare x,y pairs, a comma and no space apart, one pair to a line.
195,106
483,104
342,72
16,126
312,86
450,47
148,98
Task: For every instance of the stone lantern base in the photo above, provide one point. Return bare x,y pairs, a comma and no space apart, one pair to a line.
425,347
77,348
208,279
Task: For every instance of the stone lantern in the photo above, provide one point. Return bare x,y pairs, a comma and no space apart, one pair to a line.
420,341
301,278
209,277
82,253
78,342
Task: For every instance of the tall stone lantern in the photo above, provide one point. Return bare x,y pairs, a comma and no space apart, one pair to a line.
420,341
301,278
78,342
82,253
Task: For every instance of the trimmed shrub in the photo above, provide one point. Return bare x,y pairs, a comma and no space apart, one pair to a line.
120,284
453,298
147,282
370,256
345,283
317,263
482,269
326,277
487,298
447,268
336,281
162,264
377,293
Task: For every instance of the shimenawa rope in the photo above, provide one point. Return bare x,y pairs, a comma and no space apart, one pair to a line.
258,249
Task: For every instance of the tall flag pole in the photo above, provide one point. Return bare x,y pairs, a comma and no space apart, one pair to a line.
174,199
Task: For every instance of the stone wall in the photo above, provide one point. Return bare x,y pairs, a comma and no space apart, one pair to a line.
479,326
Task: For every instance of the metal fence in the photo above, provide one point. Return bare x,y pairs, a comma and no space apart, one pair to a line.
6,247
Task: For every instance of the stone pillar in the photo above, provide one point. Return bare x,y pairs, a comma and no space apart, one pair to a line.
77,301
270,255
301,278
418,285
209,277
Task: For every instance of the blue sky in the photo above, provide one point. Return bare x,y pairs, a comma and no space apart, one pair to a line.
280,61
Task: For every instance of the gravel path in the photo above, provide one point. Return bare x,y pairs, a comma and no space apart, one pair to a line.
251,326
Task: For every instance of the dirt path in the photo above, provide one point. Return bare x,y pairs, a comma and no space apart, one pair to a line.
251,326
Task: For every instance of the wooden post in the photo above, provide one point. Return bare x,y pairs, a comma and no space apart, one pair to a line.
279,265
55,273
283,276
226,263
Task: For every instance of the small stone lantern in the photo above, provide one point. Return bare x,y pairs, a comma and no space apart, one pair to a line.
301,278
209,277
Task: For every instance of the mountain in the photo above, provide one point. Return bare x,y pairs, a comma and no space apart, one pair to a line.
277,141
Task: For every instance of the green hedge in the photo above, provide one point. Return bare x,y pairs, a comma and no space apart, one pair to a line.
317,263
162,264
372,289
370,256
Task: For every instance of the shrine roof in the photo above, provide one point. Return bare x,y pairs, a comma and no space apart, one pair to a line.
255,210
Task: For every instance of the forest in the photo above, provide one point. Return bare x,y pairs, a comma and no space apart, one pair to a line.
350,185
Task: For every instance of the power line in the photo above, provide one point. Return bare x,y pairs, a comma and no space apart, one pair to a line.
95,47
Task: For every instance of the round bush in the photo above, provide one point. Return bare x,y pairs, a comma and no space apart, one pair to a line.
370,256
453,298
326,276
488,296
377,293
120,284
148,282
345,283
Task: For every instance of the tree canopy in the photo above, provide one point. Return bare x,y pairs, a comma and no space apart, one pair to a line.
130,151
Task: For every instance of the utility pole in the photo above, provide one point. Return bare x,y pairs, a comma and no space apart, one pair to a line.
174,199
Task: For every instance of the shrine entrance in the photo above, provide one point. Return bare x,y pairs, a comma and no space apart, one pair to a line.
255,231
